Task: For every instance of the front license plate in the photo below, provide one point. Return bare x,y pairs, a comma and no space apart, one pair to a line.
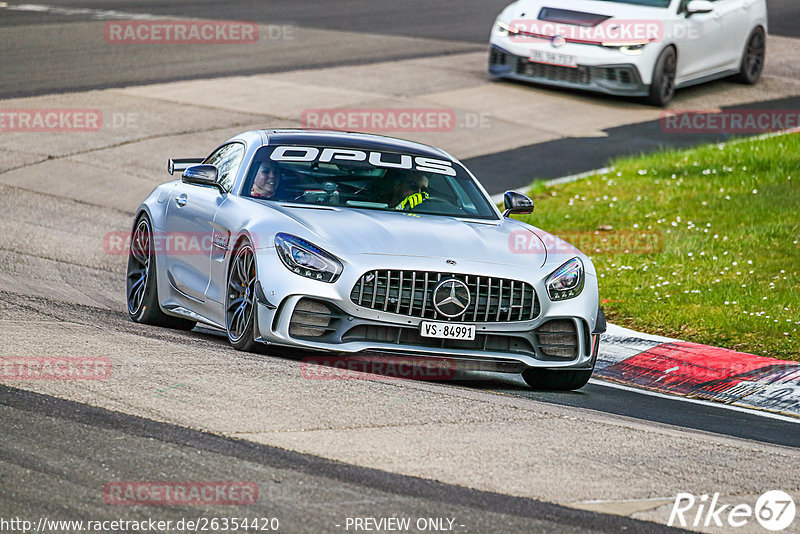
551,58
447,330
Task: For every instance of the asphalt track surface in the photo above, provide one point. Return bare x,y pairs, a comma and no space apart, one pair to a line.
590,153
465,20
306,493
52,51
703,417
46,56
55,454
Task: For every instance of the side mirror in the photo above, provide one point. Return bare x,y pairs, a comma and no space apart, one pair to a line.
517,203
200,175
181,165
699,6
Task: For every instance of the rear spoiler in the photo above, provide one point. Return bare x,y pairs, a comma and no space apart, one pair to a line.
181,165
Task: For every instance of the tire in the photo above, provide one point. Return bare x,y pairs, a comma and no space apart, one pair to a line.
753,57
552,380
141,284
662,90
240,306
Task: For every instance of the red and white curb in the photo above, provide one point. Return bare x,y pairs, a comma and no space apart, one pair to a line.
699,371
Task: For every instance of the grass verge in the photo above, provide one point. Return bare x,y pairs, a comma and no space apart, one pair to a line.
701,245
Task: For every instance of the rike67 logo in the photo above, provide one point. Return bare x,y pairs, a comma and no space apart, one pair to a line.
774,510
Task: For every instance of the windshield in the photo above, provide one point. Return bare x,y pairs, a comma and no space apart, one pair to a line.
365,179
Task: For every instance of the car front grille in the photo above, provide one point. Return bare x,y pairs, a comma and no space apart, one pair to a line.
617,75
580,75
411,336
409,293
555,340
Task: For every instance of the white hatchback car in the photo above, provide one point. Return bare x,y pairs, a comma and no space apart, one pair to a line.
643,48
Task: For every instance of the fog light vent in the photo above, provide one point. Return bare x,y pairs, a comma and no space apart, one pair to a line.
311,318
558,339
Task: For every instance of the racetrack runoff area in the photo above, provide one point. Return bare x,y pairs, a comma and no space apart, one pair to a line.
62,294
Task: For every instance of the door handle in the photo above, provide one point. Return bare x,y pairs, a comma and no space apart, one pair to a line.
181,199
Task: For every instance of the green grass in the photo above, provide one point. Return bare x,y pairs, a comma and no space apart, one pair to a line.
719,260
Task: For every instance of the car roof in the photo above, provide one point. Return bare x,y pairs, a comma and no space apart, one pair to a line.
351,140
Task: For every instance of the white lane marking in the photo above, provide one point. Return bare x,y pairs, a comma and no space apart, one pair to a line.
616,331
498,198
612,501
98,14
760,413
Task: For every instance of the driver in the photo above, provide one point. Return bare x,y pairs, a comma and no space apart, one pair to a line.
409,191
266,182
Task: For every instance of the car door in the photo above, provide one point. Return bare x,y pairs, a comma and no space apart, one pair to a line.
738,19
189,239
701,42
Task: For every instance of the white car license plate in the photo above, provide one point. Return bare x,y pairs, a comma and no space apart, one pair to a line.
551,58
447,330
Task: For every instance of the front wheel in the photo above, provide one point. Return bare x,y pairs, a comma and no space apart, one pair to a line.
141,283
240,302
662,90
753,58
553,380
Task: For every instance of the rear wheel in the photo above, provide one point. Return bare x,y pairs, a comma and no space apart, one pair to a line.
141,282
753,58
240,303
552,380
662,90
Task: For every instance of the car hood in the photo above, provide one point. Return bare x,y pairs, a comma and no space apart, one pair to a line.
361,231
529,9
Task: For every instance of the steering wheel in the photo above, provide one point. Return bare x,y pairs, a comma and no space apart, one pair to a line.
433,202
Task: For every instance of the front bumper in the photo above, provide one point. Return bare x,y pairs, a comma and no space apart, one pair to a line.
302,313
623,79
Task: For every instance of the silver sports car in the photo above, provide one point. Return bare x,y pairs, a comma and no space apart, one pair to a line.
364,245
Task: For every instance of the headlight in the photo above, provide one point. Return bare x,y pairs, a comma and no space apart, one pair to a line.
566,282
306,259
501,29
631,49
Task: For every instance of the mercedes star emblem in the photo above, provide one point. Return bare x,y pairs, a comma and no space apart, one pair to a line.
451,297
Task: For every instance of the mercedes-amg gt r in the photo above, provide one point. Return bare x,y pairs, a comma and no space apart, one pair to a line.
362,245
